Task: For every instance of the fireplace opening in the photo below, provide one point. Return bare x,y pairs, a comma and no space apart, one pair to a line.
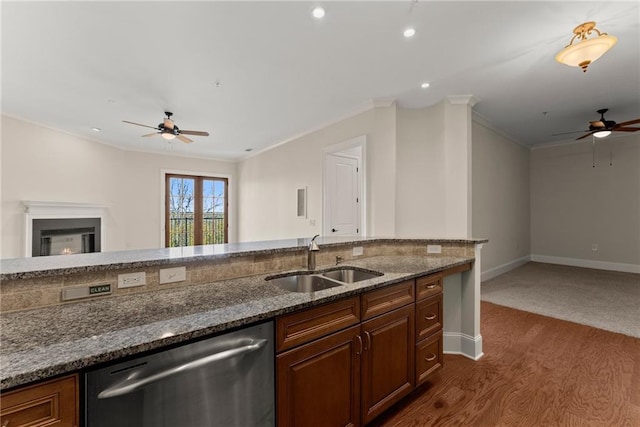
65,236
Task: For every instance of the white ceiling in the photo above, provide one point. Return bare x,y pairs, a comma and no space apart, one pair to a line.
78,65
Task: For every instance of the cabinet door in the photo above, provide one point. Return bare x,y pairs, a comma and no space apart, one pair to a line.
53,403
318,384
387,360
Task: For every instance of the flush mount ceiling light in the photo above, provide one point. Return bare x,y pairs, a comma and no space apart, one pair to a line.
585,51
318,12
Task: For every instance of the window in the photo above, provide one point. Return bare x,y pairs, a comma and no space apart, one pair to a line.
196,210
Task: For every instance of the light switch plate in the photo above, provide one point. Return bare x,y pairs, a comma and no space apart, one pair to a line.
171,275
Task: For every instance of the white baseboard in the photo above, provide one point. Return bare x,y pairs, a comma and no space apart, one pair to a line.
462,344
501,269
598,265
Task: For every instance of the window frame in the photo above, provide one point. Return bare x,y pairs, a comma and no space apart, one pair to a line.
198,204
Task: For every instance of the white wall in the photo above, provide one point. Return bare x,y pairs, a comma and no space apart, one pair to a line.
501,199
434,171
574,205
268,180
42,164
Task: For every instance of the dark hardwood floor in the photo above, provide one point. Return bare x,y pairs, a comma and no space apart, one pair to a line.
536,371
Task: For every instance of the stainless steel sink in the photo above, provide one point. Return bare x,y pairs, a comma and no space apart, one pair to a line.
304,283
350,275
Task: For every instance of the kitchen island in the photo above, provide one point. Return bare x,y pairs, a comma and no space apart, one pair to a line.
63,337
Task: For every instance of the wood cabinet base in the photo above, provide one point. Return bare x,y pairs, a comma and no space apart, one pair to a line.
52,403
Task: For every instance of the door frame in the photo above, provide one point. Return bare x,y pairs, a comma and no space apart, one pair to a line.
339,149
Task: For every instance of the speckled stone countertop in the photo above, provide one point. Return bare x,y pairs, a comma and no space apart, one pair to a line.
25,268
40,343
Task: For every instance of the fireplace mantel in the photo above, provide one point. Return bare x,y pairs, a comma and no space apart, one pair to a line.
51,210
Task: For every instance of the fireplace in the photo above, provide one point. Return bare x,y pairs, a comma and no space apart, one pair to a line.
59,228
65,236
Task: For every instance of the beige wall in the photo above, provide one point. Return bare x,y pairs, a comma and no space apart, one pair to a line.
268,180
501,198
42,164
575,205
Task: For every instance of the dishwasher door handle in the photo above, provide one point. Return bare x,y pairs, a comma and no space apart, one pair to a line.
131,385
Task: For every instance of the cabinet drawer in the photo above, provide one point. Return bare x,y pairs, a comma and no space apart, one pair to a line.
386,299
306,325
428,286
428,316
51,403
428,357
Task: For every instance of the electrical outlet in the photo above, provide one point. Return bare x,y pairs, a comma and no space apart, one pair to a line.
357,251
594,247
132,279
170,275
434,249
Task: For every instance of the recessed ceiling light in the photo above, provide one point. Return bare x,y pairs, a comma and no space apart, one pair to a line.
318,12
96,129
425,85
409,32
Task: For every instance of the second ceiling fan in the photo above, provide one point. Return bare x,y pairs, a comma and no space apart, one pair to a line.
169,130
603,127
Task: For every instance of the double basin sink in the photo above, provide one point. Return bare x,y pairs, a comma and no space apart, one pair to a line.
299,282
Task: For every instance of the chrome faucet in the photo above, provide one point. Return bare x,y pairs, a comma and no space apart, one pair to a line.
311,253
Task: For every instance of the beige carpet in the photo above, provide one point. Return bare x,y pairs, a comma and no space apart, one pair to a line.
603,299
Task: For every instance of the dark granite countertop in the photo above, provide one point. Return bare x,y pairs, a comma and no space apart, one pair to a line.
40,343
25,268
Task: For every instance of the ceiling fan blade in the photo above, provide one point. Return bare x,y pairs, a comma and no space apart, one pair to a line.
150,134
630,122
567,133
626,129
584,136
194,132
184,139
168,123
138,124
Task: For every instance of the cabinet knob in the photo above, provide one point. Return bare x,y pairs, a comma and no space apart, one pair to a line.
334,230
430,316
430,358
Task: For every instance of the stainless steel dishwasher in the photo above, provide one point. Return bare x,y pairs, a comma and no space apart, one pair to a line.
227,380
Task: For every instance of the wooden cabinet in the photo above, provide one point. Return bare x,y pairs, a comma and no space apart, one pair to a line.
429,349
330,376
318,384
52,403
387,360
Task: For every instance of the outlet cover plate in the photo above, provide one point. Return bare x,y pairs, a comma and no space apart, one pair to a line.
434,249
171,275
130,280
358,251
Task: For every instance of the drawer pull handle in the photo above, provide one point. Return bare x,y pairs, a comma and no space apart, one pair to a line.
432,286
430,317
5,423
359,345
430,358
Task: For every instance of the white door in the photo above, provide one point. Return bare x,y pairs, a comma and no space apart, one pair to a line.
342,209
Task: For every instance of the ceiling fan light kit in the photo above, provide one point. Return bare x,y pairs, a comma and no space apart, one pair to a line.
585,50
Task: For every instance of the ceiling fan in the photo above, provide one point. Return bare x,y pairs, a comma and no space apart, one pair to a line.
168,129
603,127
